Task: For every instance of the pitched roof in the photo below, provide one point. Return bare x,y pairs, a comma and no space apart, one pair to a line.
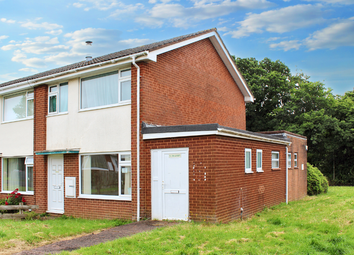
111,56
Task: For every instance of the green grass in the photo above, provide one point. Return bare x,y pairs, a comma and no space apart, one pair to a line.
315,225
25,234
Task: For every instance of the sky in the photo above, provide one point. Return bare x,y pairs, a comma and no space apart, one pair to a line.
314,37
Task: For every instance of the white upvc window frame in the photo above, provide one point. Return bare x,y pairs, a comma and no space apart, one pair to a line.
275,160
28,163
120,165
248,170
56,94
259,168
289,159
29,96
121,79
295,159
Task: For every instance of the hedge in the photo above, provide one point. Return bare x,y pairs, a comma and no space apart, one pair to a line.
317,183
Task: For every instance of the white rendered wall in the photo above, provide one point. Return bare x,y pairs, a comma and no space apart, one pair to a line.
16,138
100,130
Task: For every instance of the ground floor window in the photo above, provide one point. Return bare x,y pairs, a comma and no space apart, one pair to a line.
17,173
106,175
275,159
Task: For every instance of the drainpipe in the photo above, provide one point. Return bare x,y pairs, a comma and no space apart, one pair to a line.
137,139
287,177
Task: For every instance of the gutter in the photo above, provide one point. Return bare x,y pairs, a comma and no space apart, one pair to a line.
137,139
61,75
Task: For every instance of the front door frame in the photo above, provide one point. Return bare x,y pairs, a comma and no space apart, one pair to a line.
61,156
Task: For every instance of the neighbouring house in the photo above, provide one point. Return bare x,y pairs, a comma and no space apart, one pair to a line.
156,131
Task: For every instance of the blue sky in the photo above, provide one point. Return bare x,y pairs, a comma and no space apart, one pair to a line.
315,37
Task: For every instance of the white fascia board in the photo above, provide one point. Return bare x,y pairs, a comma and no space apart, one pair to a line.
223,53
220,131
286,134
178,134
75,73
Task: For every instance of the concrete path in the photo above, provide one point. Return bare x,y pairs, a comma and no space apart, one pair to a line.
93,239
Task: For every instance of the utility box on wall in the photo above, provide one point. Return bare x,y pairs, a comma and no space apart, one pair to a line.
70,187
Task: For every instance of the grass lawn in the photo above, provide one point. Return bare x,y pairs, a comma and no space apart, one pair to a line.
22,235
321,224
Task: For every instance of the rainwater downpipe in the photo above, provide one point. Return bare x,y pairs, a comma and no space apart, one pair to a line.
287,177
137,139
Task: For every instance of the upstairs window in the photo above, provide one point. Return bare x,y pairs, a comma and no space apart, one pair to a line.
289,160
58,98
106,89
18,106
275,159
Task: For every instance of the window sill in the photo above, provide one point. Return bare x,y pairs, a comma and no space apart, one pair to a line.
12,121
127,198
260,171
22,193
276,169
248,172
57,114
106,106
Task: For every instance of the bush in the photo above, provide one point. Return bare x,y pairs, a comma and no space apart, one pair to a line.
15,198
317,183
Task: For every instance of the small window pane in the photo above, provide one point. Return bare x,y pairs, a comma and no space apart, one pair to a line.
30,105
259,159
248,159
126,185
63,97
53,104
53,89
15,107
275,155
30,178
30,94
125,158
125,73
125,90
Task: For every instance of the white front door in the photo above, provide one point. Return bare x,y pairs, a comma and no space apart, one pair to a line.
55,184
169,184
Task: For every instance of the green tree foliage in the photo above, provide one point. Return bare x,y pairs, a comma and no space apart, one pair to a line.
293,103
317,183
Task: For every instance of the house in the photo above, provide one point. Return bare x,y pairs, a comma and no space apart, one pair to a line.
156,131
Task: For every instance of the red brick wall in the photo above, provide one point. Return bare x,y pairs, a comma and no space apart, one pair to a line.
91,208
40,139
219,198
190,85
252,192
297,176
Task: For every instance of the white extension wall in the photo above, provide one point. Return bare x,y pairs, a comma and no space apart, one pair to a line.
100,130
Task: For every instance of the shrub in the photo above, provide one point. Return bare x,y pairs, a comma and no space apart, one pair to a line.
317,183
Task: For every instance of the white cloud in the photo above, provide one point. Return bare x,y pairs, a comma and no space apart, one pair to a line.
152,1
10,21
334,36
280,21
2,37
102,5
344,2
223,29
29,70
8,77
126,9
286,45
181,16
44,25
54,32
273,39
39,52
